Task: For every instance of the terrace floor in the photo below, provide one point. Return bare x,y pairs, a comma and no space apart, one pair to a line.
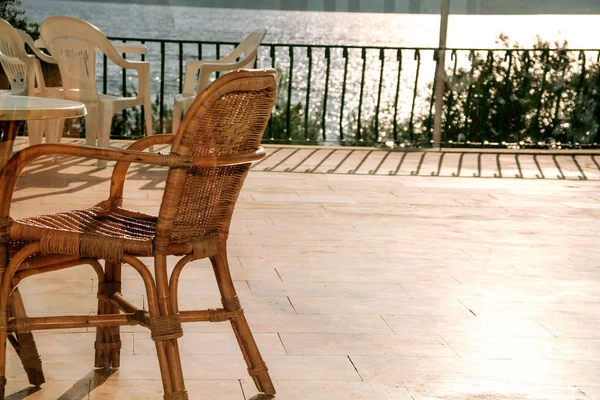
356,286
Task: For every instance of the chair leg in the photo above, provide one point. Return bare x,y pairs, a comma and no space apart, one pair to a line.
91,124
108,339
148,116
6,276
104,125
165,327
3,338
54,130
256,366
170,369
176,117
35,130
25,344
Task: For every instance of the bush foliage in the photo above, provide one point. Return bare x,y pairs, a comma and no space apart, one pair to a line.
10,11
546,95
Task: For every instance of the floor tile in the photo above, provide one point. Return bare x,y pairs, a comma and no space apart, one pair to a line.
365,344
493,390
152,390
468,325
327,390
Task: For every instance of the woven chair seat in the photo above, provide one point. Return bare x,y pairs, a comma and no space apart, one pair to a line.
100,231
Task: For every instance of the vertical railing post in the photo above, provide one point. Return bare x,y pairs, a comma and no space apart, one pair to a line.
124,76
468,115
104,74
440,76
327,70
288,122
144,111
180,80
363,55
430,116
343,100
218,55
484,115
399,59
124,113
308,78
453,57
161,96
273,63
411,125
507,92
382,59
581,90
540,103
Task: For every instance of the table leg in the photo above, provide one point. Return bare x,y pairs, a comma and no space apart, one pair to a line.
7,139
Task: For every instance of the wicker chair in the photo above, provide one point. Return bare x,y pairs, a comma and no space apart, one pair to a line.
210,157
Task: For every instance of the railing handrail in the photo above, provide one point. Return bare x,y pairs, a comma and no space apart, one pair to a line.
345,46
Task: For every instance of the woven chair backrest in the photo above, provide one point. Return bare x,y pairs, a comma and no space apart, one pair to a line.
73,43
226,119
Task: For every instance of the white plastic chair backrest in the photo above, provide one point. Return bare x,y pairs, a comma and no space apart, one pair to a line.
246,51
17,64
249,45
73,44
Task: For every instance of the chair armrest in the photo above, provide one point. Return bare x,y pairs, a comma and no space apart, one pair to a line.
143,72
172,160
43,56
207,68
10,59
113,55
142,67
191,69
10,173
149,141
119,174
194,65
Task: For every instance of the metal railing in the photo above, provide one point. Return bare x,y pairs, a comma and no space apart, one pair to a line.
384,96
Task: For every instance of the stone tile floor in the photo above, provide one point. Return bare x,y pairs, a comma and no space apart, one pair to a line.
357,287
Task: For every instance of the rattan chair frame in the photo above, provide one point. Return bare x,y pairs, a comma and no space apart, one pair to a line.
187,162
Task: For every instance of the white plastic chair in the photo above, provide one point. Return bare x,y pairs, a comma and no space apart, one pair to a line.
53,127
73,43
25,76
246,52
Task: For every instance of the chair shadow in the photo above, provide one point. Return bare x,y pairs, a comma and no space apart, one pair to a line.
23,393
262,396
46,174
79,391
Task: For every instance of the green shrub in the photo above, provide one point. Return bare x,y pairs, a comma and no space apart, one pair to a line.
523,97
11,12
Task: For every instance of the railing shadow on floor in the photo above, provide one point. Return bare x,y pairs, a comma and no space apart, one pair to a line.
517,164
70,175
